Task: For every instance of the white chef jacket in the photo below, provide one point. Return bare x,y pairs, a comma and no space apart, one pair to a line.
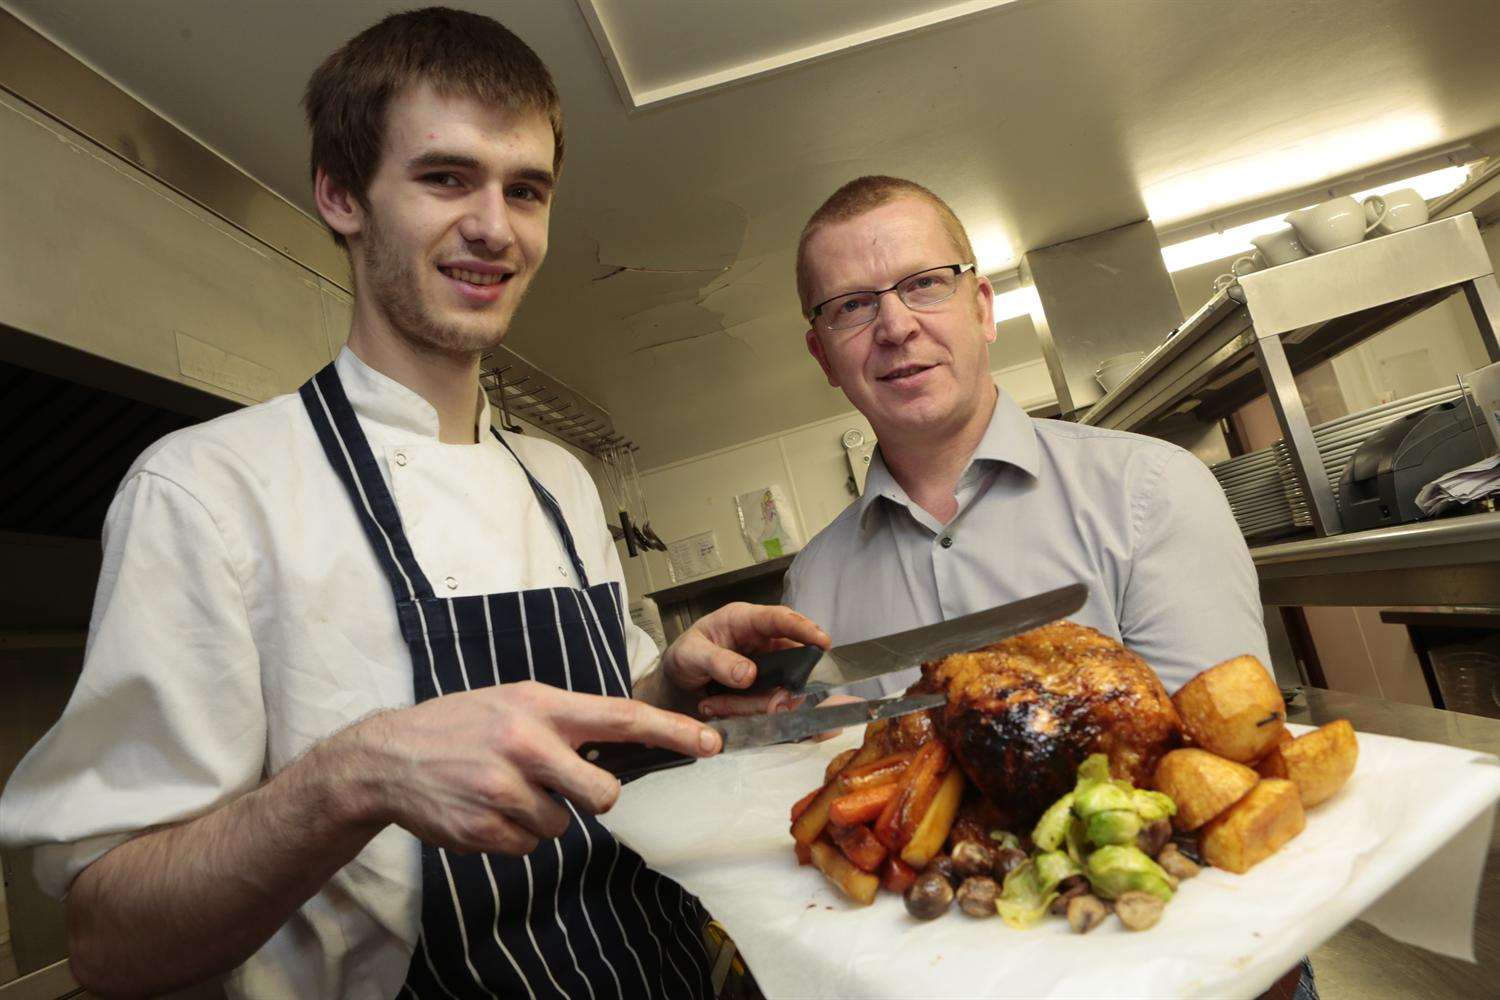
1042,504
241,617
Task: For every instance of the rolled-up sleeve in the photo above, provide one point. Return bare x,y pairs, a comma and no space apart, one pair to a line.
1192,598
167,720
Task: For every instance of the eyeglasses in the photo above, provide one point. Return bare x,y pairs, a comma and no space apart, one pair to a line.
922,290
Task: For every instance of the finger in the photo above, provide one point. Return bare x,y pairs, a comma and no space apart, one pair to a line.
487,832
725,705
584,717
529,807
591,789
772,622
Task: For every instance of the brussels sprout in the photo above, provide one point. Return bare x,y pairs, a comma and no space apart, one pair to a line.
1053,825
1077,839
1098,798
1022,902
1152,805
1117,869
1113,826
1094,768
1054,866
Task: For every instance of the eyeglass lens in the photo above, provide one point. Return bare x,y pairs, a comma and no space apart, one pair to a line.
918,291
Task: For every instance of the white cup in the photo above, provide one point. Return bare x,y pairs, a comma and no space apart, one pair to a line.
1396,210
1338,223
1242,266
1280,247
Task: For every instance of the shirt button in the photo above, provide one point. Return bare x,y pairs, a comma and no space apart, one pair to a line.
400,458
452,583
946,542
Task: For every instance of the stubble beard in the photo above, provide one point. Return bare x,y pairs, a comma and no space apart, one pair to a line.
397,290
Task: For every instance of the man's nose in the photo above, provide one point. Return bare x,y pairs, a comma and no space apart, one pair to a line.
488,220
895,323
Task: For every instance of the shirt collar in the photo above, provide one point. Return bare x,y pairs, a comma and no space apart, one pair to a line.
391,406
1009,439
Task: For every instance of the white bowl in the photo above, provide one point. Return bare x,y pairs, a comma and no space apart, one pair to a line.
1112,371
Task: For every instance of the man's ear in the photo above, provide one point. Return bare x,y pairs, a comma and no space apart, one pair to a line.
815,348
342,211
986,302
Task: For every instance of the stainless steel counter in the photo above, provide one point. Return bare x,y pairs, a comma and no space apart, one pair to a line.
1451,561
1362,962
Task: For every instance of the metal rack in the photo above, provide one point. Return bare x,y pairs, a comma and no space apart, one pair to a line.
520,389
1256,335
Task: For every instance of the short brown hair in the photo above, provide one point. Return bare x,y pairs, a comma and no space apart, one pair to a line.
860,196
457,52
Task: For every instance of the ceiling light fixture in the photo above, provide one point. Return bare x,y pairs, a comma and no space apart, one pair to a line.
1016,302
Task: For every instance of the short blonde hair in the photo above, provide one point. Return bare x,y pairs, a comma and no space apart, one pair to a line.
862,195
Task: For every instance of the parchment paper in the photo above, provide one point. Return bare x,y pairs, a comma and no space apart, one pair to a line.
720,828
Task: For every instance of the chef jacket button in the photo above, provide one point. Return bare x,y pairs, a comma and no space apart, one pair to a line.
946,542
400,458
452,583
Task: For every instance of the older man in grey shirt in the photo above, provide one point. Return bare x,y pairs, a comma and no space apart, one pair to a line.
971,503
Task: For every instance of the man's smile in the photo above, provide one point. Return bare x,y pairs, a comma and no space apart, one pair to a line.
905,373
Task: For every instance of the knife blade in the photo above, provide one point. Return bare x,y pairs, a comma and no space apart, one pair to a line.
857,661
747,732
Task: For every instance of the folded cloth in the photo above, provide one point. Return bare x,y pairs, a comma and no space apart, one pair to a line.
1472,482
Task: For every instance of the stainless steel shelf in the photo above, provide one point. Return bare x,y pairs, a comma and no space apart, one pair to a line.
1453,561
1257,335
1319,306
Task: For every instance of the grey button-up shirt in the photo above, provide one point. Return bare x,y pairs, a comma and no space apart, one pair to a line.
1044,503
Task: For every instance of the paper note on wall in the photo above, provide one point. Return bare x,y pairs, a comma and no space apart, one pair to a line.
695,555
767,523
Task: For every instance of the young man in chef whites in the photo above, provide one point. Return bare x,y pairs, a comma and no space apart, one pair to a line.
346,642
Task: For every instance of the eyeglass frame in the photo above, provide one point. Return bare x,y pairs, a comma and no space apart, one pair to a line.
959,270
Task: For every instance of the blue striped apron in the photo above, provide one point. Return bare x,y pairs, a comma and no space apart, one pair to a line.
582,915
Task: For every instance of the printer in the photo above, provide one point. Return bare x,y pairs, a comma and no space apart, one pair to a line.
1380,484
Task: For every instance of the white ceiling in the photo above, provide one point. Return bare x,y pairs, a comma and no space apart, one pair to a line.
668,296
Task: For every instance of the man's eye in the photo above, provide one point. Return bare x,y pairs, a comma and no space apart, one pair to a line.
525,193
851,305
927,281
442,180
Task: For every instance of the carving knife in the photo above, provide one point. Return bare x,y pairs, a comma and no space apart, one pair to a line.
889,662
746,732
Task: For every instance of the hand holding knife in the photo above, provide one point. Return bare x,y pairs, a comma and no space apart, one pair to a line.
861,668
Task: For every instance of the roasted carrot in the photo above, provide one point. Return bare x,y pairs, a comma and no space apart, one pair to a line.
803,852
899,819
859,846
814,818
800,806
877,772
862,806
896,875
837,764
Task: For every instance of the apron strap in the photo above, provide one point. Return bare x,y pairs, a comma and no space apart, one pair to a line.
349,453
554,511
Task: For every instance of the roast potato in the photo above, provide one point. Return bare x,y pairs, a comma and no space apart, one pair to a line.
1318,763
1255,827
1202,784
1233,709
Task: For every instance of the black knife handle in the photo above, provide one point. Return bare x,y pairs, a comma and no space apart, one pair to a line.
631,760
780,668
